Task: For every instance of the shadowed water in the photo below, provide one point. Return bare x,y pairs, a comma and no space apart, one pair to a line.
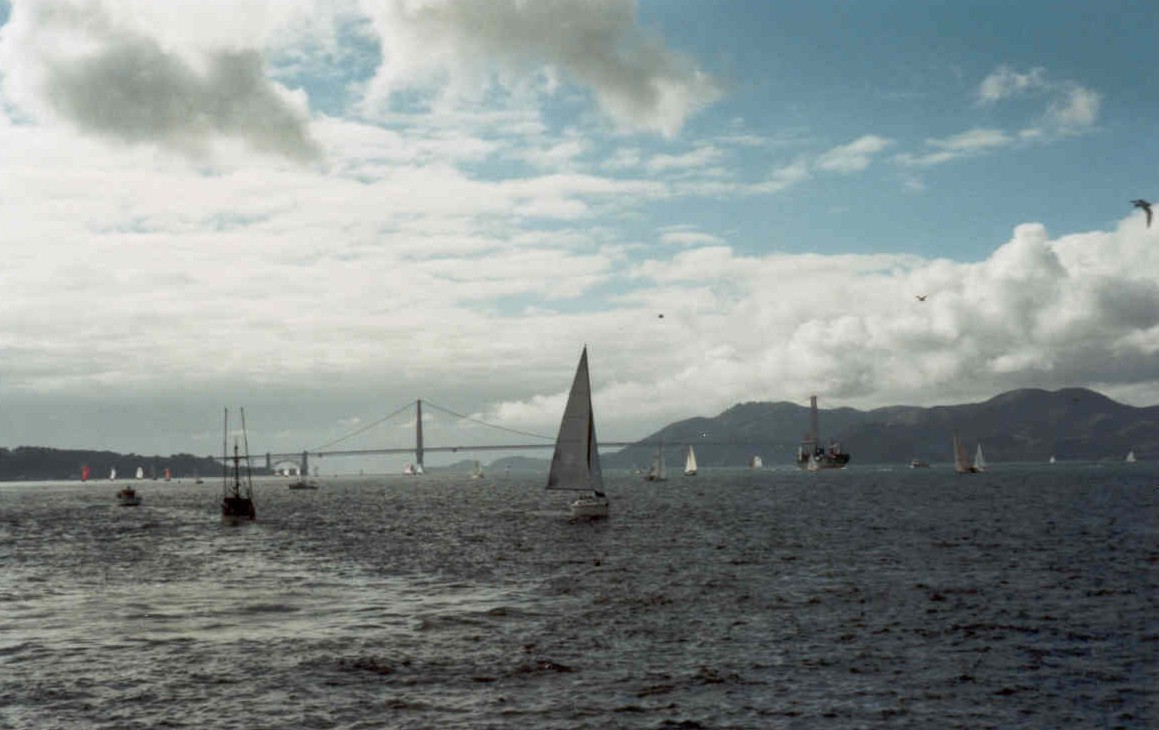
1023,597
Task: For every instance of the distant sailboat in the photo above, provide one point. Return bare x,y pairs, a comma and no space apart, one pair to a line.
690,463
1052,459
962,463
477,471
140,472
1131,456
756,463
575,465
979,460
113,474
657,472
168,474
84,473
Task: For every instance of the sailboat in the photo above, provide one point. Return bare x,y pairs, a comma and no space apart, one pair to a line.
690,463
1131,456
140,473
657,472
477,471
168,474
1052,459
962,463
979,460
237,498
575,464
113,474
756,463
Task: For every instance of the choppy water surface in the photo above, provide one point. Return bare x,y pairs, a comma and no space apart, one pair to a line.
1024,597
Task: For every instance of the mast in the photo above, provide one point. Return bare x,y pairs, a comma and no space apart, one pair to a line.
225,453
419,434
813,419
249,476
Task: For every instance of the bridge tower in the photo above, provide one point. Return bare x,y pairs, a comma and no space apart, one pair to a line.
305,466
419,435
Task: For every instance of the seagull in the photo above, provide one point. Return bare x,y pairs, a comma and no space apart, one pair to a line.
921,297
1146,209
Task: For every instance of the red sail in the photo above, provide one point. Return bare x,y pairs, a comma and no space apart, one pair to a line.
84,473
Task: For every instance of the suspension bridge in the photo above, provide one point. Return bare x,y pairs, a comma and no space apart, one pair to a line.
419,448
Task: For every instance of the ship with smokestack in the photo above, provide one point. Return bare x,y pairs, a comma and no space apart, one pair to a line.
811,454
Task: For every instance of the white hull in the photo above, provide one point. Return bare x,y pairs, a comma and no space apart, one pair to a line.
590,507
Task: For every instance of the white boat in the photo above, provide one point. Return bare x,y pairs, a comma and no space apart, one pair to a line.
962,463
237,496
756,463
690,463
1131,456
412,470
140,473
919,464
575,464
113,474
128,497
1052,459
477,471
979,460
657,472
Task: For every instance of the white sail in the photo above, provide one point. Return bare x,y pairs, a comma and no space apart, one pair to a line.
113,473
690,462
140,473
979,460
1131,456
575,464
477,471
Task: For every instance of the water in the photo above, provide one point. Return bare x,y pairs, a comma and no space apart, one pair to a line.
1023,597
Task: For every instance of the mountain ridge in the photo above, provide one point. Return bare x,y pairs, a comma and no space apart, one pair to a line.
1027,424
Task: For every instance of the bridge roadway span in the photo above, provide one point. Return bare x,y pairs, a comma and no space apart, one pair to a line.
451,449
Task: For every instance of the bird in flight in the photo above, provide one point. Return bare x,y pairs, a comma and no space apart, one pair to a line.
1146,209
921,297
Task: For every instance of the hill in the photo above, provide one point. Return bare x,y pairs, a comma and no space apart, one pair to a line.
1020,425
37,463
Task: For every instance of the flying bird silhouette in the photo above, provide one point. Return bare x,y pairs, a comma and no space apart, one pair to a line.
921,297
1146,209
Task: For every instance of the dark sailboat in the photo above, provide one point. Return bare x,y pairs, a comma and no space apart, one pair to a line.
237,497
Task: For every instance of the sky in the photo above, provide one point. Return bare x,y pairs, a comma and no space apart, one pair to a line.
322,211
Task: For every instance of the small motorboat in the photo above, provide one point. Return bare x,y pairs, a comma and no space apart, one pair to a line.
128,497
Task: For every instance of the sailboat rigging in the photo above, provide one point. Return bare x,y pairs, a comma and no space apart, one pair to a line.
575,464
657,472
962,463
237,503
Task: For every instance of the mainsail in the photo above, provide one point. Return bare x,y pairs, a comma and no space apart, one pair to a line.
575,464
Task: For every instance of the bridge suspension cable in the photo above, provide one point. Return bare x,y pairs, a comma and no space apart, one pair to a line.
516,431
365,428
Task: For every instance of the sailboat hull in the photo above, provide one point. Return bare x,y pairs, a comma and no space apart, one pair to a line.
590,508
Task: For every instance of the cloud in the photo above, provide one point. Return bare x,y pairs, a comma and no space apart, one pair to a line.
79,62
467,46
1076,110
966,144
1004,83
688,236
854,156
699,157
